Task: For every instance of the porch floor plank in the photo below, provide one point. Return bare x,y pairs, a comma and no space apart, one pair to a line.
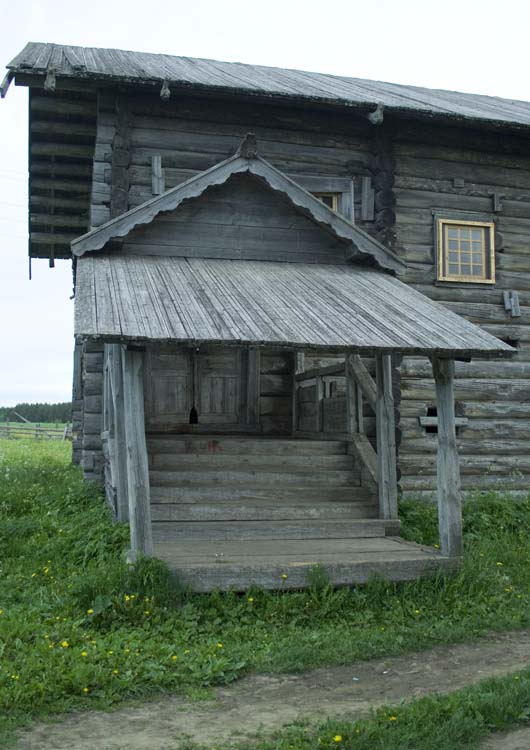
238,565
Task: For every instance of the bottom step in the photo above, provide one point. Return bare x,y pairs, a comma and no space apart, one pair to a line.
224,566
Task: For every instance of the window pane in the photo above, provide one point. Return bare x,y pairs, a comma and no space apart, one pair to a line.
465,258
477,234
452,232
452,244
465,270
453,268
476,271
453,257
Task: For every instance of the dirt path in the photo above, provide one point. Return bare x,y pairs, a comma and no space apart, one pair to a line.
518,740
268,701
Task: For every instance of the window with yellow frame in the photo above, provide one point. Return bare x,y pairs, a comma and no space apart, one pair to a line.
329,199
466,251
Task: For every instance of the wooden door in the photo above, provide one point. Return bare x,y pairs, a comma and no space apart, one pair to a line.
214,381
168,389
218,387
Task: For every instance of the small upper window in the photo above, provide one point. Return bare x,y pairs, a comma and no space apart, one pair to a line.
331,200
466,251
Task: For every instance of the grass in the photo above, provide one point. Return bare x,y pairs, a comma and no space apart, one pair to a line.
458,721
80,630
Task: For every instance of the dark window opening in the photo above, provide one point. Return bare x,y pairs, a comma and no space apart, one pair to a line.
433,428
512,342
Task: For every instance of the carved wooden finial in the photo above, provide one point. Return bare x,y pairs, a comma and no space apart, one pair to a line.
50,81
165,92
248,148
376,117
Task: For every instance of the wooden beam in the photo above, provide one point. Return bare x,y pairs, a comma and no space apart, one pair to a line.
351,398
320,372
120,443
386,438
448,470
137,463
366,455
319,403
158,182
253,385
364,379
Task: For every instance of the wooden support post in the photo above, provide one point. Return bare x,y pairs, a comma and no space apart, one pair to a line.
253,380
319,403
120,444
137,463
386,438
351,398
449,501
360,409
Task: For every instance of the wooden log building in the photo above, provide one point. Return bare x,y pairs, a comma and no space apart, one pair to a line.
297,295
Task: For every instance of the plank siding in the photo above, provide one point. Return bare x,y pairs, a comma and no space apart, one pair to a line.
493,396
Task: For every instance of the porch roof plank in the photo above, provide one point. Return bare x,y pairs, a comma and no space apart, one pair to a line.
299,305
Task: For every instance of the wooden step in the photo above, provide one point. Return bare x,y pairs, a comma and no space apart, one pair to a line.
262,476
252,493
265,461
288,564
265,511
242,445
246,531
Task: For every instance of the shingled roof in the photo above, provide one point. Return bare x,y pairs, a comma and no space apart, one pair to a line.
257,80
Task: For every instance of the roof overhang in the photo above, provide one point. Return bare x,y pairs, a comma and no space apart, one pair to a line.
144,299
91,66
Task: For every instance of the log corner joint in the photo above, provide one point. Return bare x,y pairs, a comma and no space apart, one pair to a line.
248,148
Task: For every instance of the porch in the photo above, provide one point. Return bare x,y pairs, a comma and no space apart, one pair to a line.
229,502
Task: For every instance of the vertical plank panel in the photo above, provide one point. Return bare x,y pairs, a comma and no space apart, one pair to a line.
319,401
137,463
448,470
386,438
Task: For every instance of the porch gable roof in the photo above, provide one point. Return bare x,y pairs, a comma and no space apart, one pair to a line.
244,161
196,301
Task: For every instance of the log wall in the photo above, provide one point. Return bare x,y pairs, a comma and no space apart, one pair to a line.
447,170
403,172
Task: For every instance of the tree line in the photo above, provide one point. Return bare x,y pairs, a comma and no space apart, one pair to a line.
37,412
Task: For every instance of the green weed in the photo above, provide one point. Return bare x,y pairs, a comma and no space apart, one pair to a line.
80,629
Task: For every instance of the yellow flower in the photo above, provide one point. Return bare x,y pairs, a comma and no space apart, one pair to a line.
90,611
64,644
174,658
500,564
85,690
33,575
416,611
219,645
436,546
127,650
337,738
392,718
146,612
283,576
187,651
46,570
250,599
115,671
516,677
84,653
127,598
1,611
110,652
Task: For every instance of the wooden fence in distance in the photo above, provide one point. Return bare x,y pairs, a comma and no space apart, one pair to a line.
10,430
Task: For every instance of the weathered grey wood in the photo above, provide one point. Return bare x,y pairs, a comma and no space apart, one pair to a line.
362,448
253,386
319,397
448,476
367,199
433,421
120,440
364,379
386,438
361,427
137,464
319,372
158,178
351,399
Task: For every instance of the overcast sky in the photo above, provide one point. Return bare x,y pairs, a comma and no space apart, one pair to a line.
461,45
